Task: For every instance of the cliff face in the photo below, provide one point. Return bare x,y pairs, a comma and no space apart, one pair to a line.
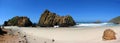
115,20
18,21
49,19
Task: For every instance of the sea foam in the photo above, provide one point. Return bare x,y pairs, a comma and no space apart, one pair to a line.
95,24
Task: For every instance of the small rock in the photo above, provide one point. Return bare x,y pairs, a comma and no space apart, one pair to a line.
24,36
45,42
19,41
53,40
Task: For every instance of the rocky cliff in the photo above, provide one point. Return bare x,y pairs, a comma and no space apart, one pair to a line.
18,21
115,20
49,19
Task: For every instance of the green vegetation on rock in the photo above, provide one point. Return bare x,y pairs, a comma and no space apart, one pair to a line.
18,21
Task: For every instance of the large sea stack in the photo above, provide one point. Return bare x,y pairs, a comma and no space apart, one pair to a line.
49,19
18,21
115,20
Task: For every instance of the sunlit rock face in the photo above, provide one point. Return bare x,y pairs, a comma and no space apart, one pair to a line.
109,35
49,19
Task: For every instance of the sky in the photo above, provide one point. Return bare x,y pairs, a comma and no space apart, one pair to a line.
80,10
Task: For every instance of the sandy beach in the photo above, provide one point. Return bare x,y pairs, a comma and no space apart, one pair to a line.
66,35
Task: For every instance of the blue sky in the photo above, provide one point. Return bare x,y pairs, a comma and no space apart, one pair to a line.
80,10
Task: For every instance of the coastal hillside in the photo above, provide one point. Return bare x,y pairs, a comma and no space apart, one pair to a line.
115,20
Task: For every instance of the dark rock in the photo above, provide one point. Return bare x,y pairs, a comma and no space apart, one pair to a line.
5,23
25,36
49,19
53,40
34,25
2,32
115,20
19,41
18,21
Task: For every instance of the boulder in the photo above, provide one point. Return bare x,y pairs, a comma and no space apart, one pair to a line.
109,35
49,19
115,20
18,21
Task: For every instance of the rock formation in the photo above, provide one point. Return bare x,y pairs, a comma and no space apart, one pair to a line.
97,21
115,20
2,32
49,19
18,21
109,35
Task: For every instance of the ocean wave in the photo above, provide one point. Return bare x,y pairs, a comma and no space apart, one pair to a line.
95,24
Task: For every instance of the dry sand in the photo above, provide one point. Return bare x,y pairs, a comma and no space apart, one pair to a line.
66,35
12,36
